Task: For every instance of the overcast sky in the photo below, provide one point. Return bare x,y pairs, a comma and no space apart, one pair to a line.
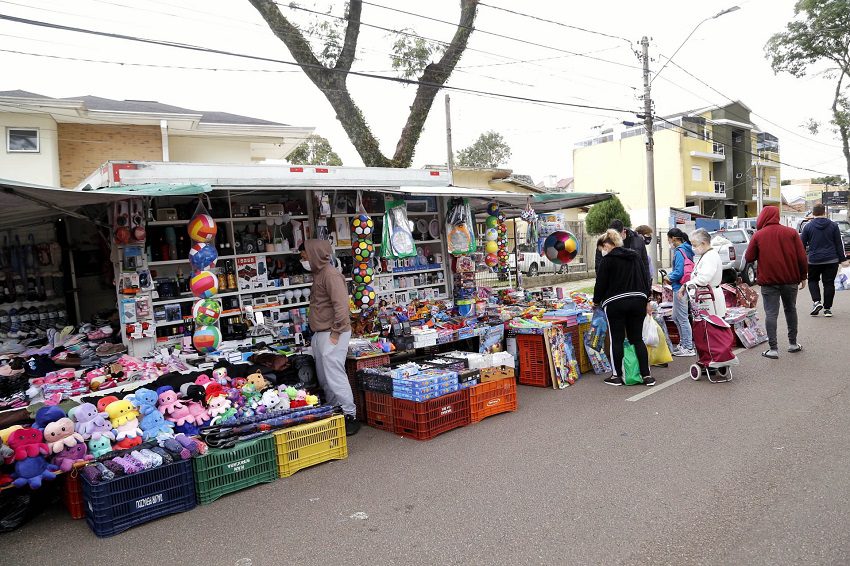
541,136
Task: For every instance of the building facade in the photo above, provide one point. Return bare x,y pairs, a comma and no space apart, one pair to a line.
712,161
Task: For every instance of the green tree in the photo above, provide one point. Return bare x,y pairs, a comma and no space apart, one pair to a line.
832,180
315,150
819,34
489,150
601,215
327,54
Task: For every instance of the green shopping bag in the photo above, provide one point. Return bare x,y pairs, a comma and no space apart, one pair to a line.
631,368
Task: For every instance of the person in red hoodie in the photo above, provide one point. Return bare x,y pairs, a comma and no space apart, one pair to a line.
782,269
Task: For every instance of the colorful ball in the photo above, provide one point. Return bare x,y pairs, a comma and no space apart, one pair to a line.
561,247
206,339
491,222
491,247
491,260
206,312
491,234
493,209
362,274
503,228
362,251
362,226
203,256
202,228
503,254
363,296
204,284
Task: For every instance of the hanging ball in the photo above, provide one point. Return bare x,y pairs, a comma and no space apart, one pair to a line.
206,312
491,247
493,209
503,228
363,296
362,226
206,339
491,222
204,284
362,274
491,260
491,234
202,228
362,251
203,256
561,247
503,254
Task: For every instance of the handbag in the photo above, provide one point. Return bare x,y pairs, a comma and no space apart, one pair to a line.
649,332
659,355
631,368
747,296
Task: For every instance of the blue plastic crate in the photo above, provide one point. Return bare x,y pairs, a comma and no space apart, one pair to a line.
113,507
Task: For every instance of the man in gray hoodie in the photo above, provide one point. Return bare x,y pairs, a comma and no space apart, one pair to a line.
329,319
825,251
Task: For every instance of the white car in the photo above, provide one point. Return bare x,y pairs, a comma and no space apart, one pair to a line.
531,263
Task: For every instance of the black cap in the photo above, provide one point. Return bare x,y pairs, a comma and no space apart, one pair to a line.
617,225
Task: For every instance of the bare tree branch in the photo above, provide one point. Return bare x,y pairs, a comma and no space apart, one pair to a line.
352,32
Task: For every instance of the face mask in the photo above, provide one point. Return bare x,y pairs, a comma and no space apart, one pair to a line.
305,264
604,253
647,239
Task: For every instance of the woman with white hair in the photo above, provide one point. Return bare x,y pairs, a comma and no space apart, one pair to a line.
708,271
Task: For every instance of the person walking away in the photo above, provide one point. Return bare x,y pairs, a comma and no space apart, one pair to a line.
683,265
631,240
329,320
825,250
622,289
708,272
782,268
645,232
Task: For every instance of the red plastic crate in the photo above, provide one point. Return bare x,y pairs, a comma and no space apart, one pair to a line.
354,365
379,410
72,494
533,360
492,398
424,421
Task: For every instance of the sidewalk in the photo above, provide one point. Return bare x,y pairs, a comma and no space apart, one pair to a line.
580,284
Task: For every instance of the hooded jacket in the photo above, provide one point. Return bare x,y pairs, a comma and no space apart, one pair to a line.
778,249
633,241
621,274
678,270
822,239
329,293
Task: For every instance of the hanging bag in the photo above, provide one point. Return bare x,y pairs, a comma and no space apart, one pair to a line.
650,331
631,368
747,296
397,238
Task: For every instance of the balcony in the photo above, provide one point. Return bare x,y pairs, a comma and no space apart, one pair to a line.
717,153
718,193
765,195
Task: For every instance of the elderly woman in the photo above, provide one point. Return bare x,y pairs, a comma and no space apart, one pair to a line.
708,272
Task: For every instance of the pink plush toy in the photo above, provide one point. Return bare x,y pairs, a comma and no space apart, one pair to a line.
70,456
168,401
203,380
61,434
218,405
197,413
220,376
27,443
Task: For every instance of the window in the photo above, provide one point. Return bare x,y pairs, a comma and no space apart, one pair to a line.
735,236
22,140
696,173
773,183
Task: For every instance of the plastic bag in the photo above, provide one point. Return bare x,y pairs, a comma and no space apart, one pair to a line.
660,354
594,343
631,368
397,238
650,332
460,228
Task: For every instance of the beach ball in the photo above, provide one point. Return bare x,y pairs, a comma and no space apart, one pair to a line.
206,312
362,251
203,256
362,226
202,228
491,247
204,284
491,222
363,296
491,234
561,247
491,260
362,274
493,209
206,339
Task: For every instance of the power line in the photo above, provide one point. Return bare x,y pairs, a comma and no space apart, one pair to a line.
214,51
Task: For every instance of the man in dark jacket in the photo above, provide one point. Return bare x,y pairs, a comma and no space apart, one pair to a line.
631,240
822,239
782,266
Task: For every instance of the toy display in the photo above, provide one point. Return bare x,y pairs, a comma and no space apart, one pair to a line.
206,312
202,228
561,247
203,256
206,339
397,239
204,284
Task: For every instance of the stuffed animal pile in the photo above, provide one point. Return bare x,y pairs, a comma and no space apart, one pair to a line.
144,457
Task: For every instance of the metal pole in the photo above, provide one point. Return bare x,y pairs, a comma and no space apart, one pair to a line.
650,143
450,162
759,190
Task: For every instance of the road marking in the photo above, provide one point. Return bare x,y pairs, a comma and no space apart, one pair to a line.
654,389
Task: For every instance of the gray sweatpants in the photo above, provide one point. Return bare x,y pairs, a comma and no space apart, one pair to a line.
330,369
772,294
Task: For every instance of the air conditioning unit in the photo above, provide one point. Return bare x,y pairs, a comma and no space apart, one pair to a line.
737,139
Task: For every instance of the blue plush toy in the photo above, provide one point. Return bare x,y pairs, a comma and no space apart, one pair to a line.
99,447
31,472
145,400
46,415
188,429
154,424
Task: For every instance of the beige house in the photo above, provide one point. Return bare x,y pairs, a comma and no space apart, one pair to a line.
59,141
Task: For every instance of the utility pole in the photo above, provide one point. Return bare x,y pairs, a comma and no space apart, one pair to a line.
650,148
450,162
759,184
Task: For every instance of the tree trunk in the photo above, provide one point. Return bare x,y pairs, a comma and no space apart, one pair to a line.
839,115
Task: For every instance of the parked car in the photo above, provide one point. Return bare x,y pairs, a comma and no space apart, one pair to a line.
531,263
734,265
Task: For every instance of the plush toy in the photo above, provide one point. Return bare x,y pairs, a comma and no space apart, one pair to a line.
312,400
46,415
28,443
7,453
99,447
61,434
90,423
220,376
271,399
154,424
168,400
223,417
187,428
213,390
144,400
32,470
125,420
129,442
218,405
258,381
70,456
291,392
104,401
193,392
197,413
236,399
238,382
251,395
203,380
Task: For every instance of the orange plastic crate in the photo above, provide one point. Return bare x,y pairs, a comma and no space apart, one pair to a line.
354,365
379,410
424,421
72,494
492,398
533,360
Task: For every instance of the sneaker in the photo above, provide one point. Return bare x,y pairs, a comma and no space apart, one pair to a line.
684,352
794,348
649,381
772,354
827,313
352,425
816,308
614,380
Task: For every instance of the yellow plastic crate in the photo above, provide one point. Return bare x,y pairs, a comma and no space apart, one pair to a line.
309,444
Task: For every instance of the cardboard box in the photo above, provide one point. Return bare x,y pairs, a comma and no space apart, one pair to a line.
497,373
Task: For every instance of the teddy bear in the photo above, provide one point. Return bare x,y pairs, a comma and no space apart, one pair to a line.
27,443
271,400
90,423
154,424
99,447
258,381
32,470
144,400
66,459
125,420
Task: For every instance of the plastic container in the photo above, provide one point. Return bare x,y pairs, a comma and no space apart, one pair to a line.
424,421
309,444
379,410
533,360
492,398
113,507
224,470
72,494
352,367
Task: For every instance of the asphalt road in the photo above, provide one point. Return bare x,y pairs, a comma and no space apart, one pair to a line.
750,472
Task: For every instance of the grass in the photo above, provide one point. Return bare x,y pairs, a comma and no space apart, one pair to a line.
588,290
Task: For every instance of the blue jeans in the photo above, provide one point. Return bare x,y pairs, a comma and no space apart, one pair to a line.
680,317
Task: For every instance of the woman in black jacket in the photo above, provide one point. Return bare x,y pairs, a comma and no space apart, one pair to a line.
622,289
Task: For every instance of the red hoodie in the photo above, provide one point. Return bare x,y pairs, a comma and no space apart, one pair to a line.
779,251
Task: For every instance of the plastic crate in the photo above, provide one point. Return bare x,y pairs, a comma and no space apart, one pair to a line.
224,470
352,368
379,410
113,507
424,421
309,444
376,383
72,494
492,398
533,360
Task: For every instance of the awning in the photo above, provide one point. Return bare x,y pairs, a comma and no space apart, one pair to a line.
514,204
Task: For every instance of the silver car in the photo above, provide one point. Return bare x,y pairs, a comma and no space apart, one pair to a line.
734,264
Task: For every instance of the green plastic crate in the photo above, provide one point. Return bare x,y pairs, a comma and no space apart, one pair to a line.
224,470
